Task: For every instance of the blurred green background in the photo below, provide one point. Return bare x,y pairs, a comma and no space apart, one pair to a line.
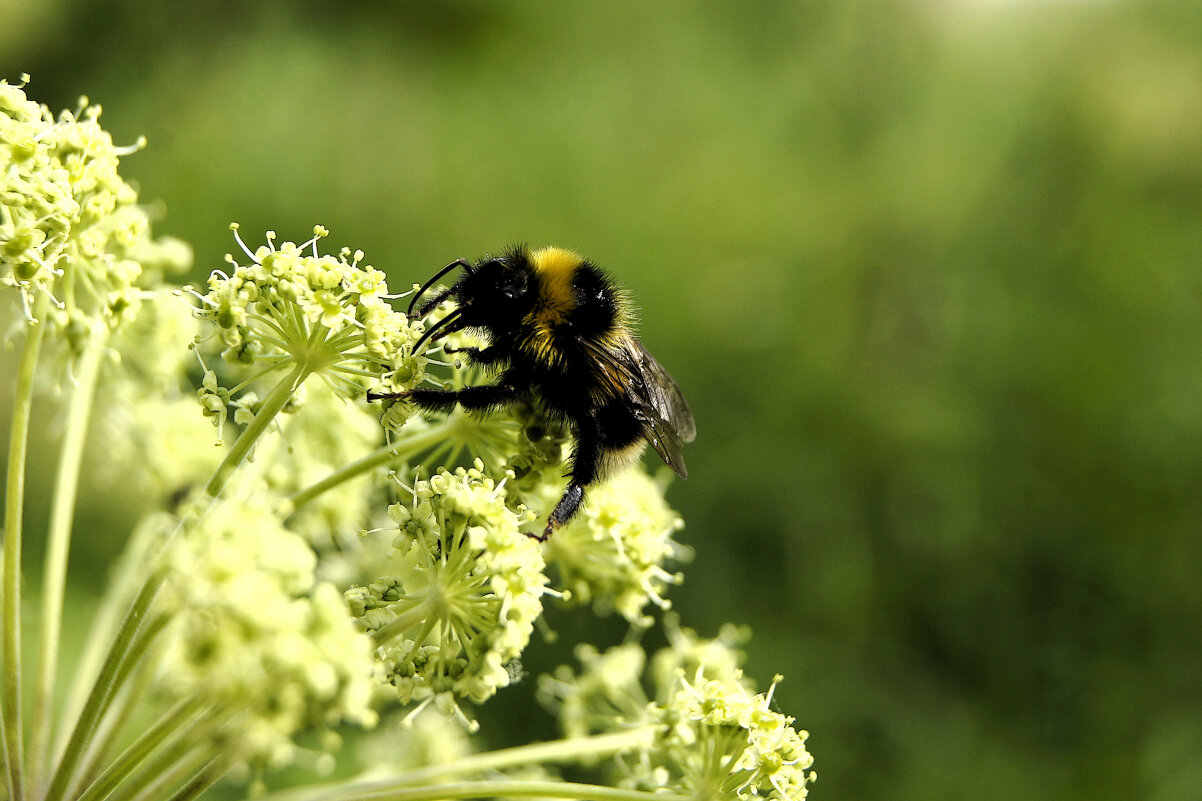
927,271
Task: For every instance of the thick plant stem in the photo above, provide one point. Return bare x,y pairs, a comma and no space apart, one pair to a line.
275,401
57,547
10,606
133,637
167,769
173,772
125,707
576,749
124,585
555,752
515,788
381,456
170,730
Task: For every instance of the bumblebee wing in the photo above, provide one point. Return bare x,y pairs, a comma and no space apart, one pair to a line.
617,371
664,393
657,397
667,443
654,396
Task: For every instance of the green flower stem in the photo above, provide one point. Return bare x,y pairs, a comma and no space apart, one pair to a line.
10,616
170,767
132,637
128,646
403,622
58,543
203,779
514,788
126,705
128,576
406,447
554,752
577,749
179,721
172,773
275,401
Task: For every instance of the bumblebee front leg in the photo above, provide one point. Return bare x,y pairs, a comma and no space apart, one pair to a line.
485,357
480,398
586,461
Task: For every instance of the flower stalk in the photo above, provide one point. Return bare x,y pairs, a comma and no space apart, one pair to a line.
133,638
181,720
62,512
515,788
566,751
275,401
385,454
10,606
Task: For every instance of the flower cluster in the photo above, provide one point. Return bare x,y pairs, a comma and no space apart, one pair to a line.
724,741
291,306
70,226
469,585
145,427
715,736
251,633
614,552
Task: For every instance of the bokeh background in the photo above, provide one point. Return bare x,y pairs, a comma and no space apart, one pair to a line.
927,271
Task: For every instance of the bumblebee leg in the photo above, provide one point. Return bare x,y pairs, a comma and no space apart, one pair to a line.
479,398
568,505
487,396
482,356
585,462
375,396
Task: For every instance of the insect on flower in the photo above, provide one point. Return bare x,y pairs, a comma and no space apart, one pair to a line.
558,331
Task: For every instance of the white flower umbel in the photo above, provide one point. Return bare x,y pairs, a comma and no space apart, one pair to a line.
71,230
715,737
615,554
250,636
290,313
453,624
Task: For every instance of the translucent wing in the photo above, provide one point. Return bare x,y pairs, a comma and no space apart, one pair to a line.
654,397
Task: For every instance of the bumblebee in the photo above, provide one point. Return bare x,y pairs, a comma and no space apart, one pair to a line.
559,331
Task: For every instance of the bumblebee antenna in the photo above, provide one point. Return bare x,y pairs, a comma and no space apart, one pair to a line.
441,324
457,263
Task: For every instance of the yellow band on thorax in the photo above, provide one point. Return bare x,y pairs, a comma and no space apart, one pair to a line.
555,267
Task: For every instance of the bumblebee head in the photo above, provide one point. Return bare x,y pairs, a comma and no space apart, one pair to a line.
494,293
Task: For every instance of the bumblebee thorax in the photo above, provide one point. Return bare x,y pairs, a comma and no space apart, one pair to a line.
555,268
